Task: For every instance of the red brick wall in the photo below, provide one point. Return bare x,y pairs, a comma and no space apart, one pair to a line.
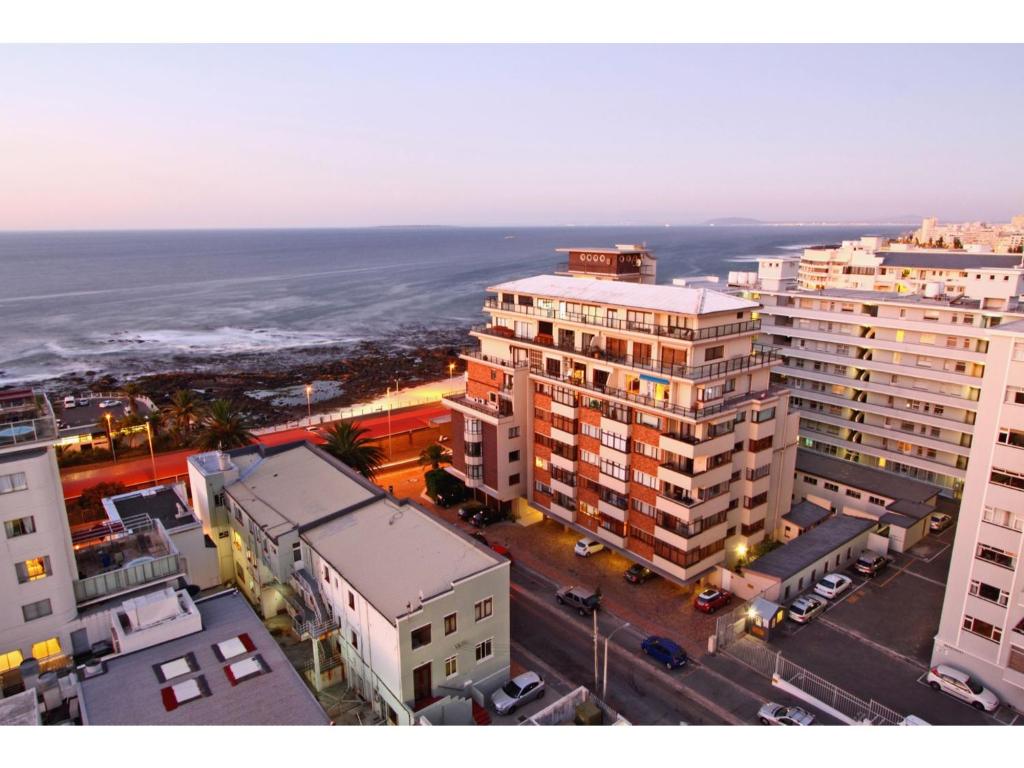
589,471
542,401
646,434
478,380
458,441
490,450
590,416
542,427
645,464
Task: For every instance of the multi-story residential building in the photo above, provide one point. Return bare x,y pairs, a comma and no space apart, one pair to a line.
640,414
1001,238
887,378
37,564
982,625
411,613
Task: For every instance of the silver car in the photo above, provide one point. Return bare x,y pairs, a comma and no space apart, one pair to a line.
805,608
518,691
777,714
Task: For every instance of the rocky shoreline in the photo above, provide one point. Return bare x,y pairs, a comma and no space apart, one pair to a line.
358,372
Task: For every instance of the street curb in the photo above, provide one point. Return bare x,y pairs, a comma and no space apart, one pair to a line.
705,702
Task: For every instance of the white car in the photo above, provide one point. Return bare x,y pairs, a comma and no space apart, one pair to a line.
777,714
939,522
518,691
587,547
69,401
832,585
962,686
109,403
805,608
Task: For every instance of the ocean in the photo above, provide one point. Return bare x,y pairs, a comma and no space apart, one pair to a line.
151,301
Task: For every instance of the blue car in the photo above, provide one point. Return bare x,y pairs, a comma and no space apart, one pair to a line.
664,651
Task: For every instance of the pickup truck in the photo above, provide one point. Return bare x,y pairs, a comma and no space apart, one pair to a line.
584,600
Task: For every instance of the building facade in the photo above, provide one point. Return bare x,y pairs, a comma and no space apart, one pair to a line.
982,625
639,414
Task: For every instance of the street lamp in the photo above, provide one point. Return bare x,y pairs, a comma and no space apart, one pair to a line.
604,684
309,402
389,417
110,437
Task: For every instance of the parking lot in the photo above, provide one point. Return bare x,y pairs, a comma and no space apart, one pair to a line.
876,640
89,415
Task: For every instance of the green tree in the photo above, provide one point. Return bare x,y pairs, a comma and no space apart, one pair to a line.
127,423
222,427
132,390
348,443
433,455
184,412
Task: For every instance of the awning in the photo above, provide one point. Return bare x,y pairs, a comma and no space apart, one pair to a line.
654,379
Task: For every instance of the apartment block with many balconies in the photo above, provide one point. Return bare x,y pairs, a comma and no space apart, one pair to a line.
640,414
982,625
887,378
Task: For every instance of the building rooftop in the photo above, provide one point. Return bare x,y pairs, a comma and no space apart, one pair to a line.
810,547
20,708
875,481
913,510
944,259
804,514
187,682
295,485
161,503
25,417
421,556
660,298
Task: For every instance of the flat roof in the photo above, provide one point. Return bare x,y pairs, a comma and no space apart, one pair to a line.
914,510
397,555
295,485
160,503
863,477
949,259
804,514
20,708
129,692
805,550
661,298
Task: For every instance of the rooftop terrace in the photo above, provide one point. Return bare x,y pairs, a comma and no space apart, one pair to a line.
25,417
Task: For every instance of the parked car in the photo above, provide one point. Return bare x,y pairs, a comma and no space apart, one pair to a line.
503,551
638,574
83,401
520,690
664,651
939,522
70,402
487,516
443,439
587,547
805,608
109,403
584,600
961,685
870,563
711,599
777,714
468,510
832,585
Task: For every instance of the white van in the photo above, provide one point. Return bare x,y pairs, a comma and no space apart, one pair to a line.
69,402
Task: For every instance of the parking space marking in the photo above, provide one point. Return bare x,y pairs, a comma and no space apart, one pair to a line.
923,680
877,646
924,578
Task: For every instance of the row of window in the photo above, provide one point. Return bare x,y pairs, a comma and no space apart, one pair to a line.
483,651
481,610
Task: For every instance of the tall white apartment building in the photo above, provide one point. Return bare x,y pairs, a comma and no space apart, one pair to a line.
1000,237
982,625
37,564
889,378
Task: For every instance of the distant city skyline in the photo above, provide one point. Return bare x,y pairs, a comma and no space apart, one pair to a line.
135,137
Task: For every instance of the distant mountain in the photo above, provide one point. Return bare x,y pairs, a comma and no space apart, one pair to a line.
732,221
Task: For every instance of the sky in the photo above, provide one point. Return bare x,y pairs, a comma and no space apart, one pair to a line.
127,137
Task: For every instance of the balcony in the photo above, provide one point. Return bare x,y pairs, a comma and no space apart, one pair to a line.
499,411
25,417
666,331
475,354
691,447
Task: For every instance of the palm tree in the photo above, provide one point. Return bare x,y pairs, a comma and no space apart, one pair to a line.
223,428
184,412
126,424
433,455
131,390
348,443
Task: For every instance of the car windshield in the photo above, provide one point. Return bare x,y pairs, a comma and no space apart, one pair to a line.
511,689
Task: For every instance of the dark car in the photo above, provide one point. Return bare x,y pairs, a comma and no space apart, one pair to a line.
584,600
664,651
469,509
638,574
711,599
870,563
486,516
503,551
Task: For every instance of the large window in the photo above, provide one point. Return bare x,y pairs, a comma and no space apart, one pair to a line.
484,650
20,526
612,469
484,608
451,624
1008,478
995,555
12,483
615,441
421,636
990,593
983,628
451,666
36,610
34,569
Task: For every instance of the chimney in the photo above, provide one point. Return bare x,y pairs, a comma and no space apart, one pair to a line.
223,461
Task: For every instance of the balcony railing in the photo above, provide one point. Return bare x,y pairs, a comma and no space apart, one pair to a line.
668,331
482,407
27,430
494,359
123,579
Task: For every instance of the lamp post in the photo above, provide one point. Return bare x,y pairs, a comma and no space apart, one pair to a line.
152,456
309,402
451,375
110,437
389,422
604,684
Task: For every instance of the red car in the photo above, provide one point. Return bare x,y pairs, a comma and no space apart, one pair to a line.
504,551
711,599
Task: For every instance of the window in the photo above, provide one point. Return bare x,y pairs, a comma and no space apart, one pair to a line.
852,493
45,649
766,414
36,610
644,449
832,487
983,628
876,501
990,593
513,455
645,509
296,551
810,480
1003,518
1016,660
1011,437
513,432
513,479
353,638
612,469
12,483
451,666
10,660
1008,478
759,445
421,636
484,650
615,441
218,499
1015,395
34,569
451,624
640,535
351,600
650,481
714,353
484,608
995,555
20,526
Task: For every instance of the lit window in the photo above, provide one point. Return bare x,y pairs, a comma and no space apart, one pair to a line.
451,666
